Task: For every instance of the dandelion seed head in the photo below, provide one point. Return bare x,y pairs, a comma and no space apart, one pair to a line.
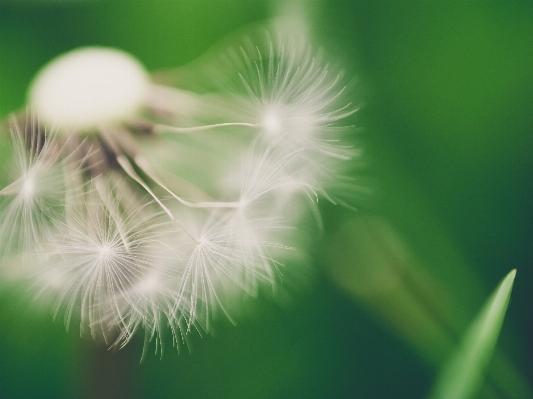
88,87
154,207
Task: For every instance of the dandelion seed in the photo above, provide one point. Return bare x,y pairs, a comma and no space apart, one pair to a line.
34,198
230,252
98,265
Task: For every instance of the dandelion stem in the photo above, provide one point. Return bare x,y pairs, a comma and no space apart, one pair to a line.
12,188
126,165
124,141
143,164
173,129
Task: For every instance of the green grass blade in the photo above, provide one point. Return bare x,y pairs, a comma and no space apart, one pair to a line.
462,376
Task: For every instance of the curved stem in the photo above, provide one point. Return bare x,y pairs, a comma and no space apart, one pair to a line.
159,128
144,165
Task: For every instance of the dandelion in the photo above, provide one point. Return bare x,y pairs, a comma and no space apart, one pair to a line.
146,206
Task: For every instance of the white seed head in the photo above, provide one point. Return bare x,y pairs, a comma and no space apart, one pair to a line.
238,166
87,87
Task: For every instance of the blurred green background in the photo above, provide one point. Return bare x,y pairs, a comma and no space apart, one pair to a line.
446,122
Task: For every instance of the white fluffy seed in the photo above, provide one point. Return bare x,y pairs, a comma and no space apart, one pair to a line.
87,87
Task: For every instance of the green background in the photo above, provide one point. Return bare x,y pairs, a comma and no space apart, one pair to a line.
446,122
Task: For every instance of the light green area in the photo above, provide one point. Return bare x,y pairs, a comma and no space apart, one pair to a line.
463,374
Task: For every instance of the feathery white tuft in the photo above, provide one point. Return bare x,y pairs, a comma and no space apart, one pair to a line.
99,263
34,198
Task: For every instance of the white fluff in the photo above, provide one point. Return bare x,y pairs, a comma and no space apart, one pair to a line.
88,87
140,223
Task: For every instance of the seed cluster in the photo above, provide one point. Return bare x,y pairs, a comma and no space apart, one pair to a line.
138,205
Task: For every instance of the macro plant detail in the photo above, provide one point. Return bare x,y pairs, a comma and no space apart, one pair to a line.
137,205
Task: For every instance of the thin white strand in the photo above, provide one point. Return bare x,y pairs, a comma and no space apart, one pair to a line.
159,128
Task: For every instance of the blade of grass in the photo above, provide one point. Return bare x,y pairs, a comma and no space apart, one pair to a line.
462,376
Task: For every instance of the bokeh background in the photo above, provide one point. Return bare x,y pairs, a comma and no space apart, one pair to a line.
446,122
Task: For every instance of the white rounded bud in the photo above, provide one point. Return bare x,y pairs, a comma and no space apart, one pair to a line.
87,87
